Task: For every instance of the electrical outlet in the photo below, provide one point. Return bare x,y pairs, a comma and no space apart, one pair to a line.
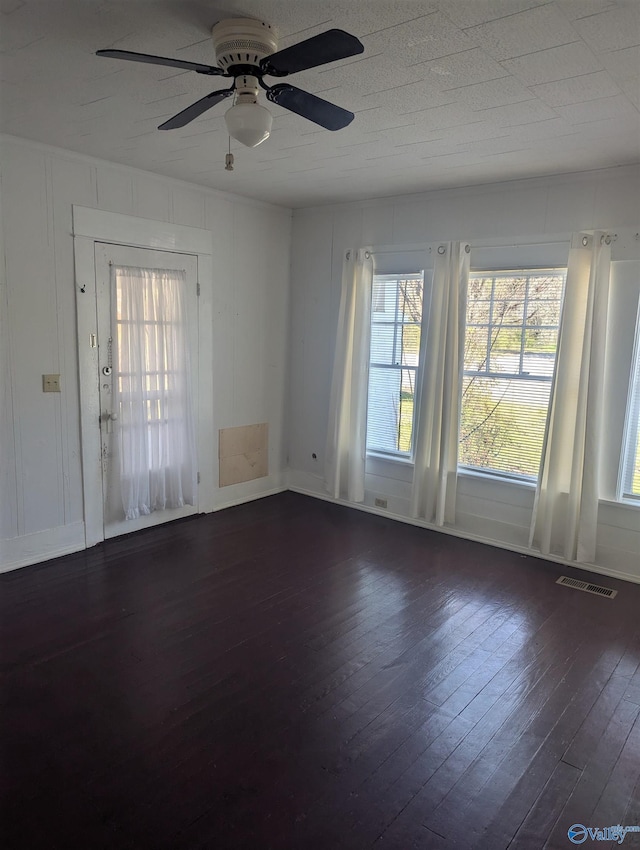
51,383
380,503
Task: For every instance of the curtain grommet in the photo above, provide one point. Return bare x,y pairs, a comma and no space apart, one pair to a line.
467,249
348,255
585,241
442,249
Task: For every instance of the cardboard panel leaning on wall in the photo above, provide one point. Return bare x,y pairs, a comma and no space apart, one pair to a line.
244,453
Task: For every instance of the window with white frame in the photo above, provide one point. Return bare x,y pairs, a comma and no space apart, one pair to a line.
511,339
396,319
629,483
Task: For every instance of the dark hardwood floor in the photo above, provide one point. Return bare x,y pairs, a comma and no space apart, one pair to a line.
293,674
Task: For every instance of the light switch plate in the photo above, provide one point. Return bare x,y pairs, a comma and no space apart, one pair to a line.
51,383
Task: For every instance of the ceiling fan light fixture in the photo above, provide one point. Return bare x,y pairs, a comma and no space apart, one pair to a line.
249,123
246,50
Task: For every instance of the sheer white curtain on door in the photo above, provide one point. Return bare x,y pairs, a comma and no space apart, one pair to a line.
566,505
346,439
438,414
152,389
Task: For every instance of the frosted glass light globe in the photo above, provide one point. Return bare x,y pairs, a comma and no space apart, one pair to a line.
249,123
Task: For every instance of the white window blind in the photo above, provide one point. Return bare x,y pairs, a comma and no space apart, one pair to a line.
629,484
396,316
510,351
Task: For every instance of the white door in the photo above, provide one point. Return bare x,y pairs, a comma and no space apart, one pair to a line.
141,492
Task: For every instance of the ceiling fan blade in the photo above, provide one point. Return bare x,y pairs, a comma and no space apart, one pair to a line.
320,111
210,70
196,109
317,50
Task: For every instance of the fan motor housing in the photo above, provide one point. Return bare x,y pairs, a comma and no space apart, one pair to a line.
240,43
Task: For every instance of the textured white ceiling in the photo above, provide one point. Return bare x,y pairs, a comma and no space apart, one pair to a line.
447,93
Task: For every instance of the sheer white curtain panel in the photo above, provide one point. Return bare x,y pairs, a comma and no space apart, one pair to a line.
438,412
566,505
346,437
152,386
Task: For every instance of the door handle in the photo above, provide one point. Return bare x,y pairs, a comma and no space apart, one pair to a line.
108,418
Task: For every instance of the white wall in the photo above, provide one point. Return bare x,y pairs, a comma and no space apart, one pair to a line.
257,352
41,500
509,220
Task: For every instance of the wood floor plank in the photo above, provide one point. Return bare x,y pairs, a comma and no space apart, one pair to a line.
581,748
533,760
546,810
596,776
625,776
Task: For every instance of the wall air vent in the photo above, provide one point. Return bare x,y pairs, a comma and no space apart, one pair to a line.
576,584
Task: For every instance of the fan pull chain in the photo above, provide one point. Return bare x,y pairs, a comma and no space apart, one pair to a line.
228,160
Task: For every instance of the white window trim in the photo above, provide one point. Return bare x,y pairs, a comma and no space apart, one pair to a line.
393,457
631,422
405,458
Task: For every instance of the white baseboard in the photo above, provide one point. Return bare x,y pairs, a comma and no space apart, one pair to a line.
296,485
42,546
241,500
16,552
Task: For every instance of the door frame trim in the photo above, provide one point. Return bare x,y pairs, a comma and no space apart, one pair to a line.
91,226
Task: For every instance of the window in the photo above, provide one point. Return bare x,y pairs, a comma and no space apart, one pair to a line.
510,351
396,316
151,347
152,390
629,485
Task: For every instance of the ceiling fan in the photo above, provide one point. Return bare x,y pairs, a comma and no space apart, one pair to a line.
247,51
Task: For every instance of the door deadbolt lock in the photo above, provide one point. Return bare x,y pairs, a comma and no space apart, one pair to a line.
106,370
